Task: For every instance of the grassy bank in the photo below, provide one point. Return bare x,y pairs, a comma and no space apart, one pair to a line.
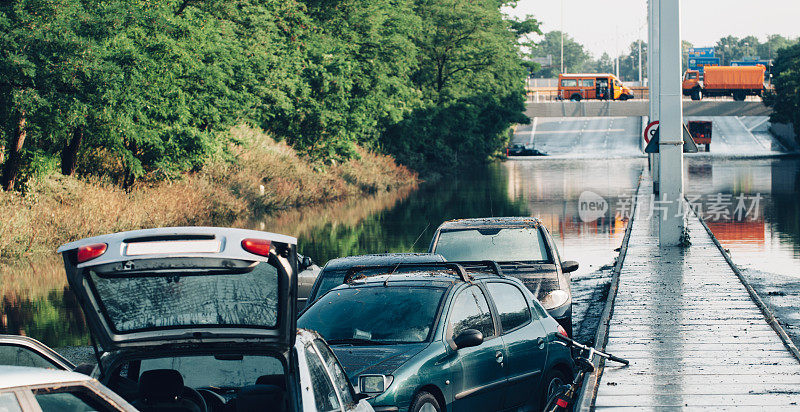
255,177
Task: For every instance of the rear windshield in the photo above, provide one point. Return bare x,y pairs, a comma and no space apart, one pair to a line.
375,315
176,300
501,245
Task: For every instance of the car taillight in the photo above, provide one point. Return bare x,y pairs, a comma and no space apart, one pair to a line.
87,253
256,246
562,331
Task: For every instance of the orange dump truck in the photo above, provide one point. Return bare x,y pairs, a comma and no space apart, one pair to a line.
736,81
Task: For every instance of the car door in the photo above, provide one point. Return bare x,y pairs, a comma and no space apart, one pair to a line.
75,397
24,351
524,339
479,378
340,382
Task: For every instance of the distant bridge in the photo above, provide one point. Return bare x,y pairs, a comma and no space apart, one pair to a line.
642,108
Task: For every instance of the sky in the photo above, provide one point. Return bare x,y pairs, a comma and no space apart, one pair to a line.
612,25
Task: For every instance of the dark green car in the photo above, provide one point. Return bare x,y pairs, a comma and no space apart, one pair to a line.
446,336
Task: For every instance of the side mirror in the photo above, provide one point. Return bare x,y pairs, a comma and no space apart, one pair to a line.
306,263
569,266
468,339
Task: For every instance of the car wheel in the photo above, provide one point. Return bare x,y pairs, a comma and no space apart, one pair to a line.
553,382
575,98
425,402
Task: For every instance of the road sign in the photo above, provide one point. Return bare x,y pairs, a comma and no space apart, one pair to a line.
698,63
689,145
765,63
701,52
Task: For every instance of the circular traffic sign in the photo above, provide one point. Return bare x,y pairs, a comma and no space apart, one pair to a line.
650,131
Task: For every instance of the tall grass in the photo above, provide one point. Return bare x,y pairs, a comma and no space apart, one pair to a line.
258,176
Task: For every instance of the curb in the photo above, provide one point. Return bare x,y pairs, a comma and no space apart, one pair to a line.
768,315
589,388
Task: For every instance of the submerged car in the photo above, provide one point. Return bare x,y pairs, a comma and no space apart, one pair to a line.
332,275
203,319
33,389
523,248
442,336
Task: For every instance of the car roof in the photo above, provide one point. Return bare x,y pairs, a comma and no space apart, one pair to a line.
14,376
380,259
490,222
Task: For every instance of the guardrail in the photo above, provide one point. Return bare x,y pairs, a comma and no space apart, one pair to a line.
550,94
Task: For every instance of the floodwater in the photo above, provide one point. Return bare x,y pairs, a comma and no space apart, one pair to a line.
584,203
753,209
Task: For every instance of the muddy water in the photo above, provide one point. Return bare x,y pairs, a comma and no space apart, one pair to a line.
37,302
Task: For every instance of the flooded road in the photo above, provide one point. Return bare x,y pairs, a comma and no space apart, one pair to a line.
763,231
37,302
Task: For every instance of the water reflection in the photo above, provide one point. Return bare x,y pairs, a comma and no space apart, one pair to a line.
36,301
765,236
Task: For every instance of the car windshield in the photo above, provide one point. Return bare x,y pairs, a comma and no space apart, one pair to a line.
375,314
329,280
167,300
227,371
501,245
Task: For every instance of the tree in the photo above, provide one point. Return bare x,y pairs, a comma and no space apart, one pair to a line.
785,99
574,54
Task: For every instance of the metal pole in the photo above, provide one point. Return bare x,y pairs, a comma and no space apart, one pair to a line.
640,61
671,222
562,36
653,81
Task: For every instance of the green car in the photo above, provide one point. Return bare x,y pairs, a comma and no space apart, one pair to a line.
442,336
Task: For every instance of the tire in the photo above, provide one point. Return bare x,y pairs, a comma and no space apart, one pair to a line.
697,94
551,386
425,402
575,98
739,96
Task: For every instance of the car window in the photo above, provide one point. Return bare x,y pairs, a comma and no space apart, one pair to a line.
15,355
339,377
71,399
471,311
324,394
9,402
327,281
587,82
569,83
144,302
512,307
501,245
375,314
218,371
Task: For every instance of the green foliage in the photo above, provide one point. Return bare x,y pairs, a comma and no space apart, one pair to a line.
148,86
471,77
575,57
785,99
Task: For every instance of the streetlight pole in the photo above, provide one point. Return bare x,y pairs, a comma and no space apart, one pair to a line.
562,36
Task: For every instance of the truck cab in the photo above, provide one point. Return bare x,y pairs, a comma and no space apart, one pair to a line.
691,84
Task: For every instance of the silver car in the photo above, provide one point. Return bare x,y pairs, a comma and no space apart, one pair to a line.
24,389
203,319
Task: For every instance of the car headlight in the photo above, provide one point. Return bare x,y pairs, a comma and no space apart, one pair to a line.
374,384
555,299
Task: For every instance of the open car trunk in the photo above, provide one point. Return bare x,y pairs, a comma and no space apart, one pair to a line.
190,285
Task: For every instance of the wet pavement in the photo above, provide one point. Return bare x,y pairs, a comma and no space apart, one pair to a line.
695,338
